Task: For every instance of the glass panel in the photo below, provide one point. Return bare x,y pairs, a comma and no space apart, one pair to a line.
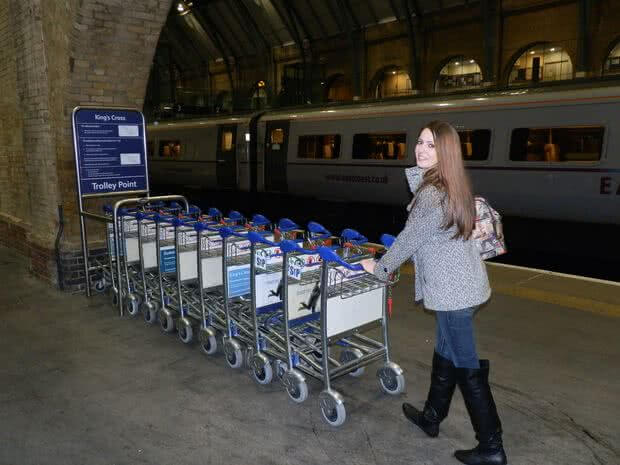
380,146
579,143
542,63
277,136
170,148
475,143
612,64
459,74
150,149
319,147
227,141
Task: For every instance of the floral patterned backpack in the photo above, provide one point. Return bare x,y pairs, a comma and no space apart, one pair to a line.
488,232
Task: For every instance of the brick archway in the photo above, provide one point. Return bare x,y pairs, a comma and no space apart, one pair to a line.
60,55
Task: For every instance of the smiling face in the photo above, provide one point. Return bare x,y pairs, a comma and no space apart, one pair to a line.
425,153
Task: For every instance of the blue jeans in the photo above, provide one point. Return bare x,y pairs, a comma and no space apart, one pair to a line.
455,337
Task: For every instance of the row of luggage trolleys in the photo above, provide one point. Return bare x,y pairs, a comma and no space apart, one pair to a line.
289,303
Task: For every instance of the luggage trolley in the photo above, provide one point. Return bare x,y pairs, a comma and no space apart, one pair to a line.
196,266
133,253
248,253
147,232
238,290
267,279
123,251
351,301
176,250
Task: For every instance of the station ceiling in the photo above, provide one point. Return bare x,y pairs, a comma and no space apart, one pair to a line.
238,28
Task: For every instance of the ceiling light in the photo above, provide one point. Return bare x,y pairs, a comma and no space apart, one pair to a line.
393,72
457,63
471,61
552,49
532,52
183,7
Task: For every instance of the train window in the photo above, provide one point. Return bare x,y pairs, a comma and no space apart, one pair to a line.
567,144
170,148
321,147
277,136
227,141
392,146
475,143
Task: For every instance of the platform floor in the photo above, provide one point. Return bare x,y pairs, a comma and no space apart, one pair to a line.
79,385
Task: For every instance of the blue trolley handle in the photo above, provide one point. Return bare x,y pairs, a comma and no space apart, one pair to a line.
287,225
354,237
256,237
328,255
289,246
214,212
319,230
260,220
235,215
387,240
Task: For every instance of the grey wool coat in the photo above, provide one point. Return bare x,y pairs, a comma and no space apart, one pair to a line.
449,273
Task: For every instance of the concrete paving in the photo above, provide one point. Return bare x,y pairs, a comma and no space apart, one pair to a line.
79,385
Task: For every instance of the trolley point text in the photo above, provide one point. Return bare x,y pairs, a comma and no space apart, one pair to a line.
112,186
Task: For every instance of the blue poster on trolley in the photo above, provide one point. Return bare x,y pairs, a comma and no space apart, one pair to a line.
110,150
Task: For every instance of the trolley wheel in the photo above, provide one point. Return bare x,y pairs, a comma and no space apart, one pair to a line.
208,341
279,367
114,298
100,285
352,353
234,353
132,305
262,371
332,407
296,386
149,310
185,330
166,321
391,378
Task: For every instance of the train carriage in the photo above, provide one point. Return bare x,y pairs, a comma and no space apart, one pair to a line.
539,153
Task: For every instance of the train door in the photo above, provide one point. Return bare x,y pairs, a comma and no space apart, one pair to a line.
226,156
276,148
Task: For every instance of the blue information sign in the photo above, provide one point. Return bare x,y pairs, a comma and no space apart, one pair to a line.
110,150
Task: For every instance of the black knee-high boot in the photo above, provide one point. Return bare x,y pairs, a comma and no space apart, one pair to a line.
443,382
474,384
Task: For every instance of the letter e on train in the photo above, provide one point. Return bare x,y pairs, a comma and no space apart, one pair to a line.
609,186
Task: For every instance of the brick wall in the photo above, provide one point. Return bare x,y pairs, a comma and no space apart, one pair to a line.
55,55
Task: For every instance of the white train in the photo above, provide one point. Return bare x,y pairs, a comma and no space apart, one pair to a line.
539,153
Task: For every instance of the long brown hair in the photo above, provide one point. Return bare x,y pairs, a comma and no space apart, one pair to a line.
449,176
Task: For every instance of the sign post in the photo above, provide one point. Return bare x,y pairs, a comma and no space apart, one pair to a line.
110,159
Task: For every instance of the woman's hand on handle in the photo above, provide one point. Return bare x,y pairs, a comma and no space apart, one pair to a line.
369,265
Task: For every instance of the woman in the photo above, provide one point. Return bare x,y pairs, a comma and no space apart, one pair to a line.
450,279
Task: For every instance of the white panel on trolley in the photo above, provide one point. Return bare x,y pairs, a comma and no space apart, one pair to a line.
353,312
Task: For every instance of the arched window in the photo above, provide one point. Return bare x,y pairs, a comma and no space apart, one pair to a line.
393,81
612,62
459,73
259,96
338,89
543,62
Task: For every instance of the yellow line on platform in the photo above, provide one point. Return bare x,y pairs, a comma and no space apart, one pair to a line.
578,303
